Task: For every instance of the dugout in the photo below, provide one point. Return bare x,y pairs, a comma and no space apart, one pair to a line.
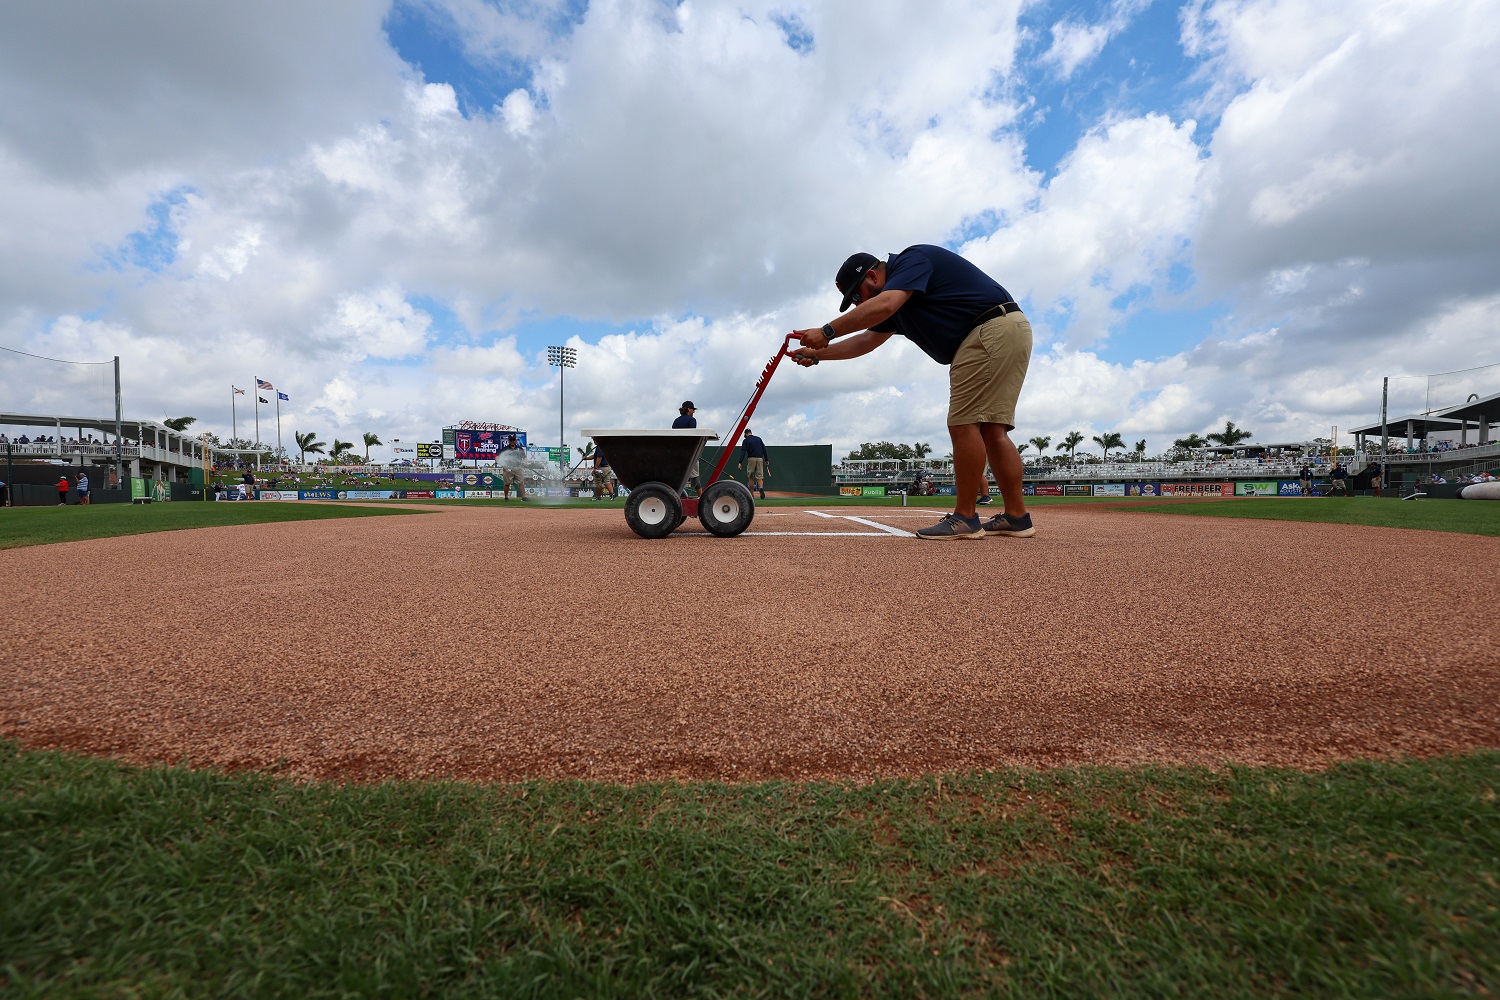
795,468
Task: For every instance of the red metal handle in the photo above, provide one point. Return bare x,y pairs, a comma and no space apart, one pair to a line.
760,388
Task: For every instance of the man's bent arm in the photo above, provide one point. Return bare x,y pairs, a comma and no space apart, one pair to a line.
849,347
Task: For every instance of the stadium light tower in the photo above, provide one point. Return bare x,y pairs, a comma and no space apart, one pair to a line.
563,358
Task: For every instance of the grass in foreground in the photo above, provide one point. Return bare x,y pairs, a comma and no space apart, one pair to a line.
1370,879
1472,517
40,525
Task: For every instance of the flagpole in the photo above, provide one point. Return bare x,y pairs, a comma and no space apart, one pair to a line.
234,430
257,413
278,424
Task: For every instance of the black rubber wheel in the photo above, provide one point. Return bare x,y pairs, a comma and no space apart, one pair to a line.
726,508
653,510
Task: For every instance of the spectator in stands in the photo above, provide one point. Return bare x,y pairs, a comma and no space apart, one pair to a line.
62,491
1304,475
512,460
756,462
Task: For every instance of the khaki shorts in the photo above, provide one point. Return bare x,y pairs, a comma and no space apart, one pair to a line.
755,468
985,378
511,477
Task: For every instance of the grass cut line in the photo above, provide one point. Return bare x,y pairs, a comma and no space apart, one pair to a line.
21,526
1470,517
1367,879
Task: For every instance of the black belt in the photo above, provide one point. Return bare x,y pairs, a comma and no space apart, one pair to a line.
994,312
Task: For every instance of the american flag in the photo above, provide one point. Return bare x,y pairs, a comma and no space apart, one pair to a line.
237,390
261,383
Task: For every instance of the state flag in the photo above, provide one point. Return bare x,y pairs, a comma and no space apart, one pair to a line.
282,395
237,390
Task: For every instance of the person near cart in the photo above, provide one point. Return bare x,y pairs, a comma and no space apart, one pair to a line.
687,420
756,462
962,319
512,462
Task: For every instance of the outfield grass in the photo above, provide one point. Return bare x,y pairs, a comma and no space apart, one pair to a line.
1473,517
1370,879
39,525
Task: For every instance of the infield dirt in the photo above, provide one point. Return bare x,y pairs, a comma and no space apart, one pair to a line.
501,643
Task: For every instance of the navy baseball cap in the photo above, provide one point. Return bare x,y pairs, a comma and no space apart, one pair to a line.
852,275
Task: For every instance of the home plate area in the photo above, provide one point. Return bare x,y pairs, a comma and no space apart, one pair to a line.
876,522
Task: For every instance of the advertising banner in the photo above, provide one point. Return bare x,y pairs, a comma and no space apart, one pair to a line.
317,494
433,450
370,495
1289,488
1077,490
1142,490
872,491
1049,489
1109,489
558,456
1028,489
420,495
478,480
478,494
584,493
946,491
447,495
483,446
278,495
850,491
1255,489
401,449
1197,489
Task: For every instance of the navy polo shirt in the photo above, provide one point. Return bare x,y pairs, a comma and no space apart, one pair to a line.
947,294
753,447
685,421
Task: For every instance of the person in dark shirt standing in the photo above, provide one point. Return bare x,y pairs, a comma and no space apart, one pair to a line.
1304,476
755,461
1340,479
960,317
686,421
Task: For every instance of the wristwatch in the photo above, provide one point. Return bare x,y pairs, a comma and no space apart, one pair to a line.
828,331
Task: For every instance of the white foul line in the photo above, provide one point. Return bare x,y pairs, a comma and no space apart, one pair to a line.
859,520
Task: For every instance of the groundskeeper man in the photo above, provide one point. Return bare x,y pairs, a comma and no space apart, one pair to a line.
960,317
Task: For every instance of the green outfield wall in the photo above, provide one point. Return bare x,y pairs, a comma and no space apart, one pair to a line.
801,468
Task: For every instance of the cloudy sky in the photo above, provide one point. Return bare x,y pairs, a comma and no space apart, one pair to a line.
1220,209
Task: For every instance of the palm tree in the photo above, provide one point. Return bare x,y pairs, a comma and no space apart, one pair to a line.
1041,443
920,451
586,453
180,423
1140,450
308,443
340,448
370,439
1230,435
1190,443
1071,442
1022,447
1108,440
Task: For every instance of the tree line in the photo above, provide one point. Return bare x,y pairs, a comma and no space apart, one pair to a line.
307,442
1107,441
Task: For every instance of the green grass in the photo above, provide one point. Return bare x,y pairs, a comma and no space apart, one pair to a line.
40,525
1473,517
1370,879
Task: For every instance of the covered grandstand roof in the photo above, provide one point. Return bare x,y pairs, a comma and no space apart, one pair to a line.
1421,425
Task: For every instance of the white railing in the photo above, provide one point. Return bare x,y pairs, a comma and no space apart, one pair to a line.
1464,454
